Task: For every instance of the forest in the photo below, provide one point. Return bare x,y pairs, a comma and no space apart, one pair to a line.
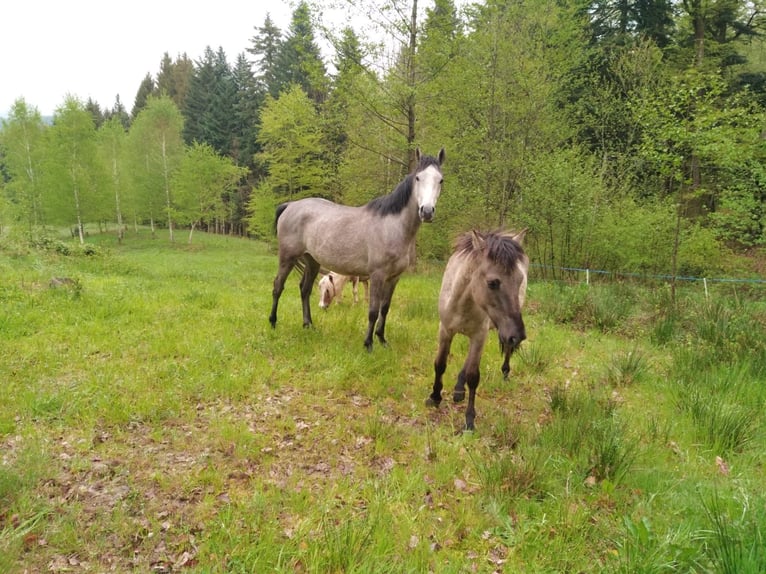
626,135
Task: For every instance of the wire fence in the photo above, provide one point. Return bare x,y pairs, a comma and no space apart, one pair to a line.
576,272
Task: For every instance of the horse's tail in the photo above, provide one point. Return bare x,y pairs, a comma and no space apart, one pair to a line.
280,208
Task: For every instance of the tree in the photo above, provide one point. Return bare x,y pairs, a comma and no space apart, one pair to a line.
291,139
156,149
300,59
118,111
112,139
247,102
22,149
266,47
146,90
211,97
202,182
174,78
73,175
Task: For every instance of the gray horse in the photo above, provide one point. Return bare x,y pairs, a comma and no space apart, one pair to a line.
484,286
374,240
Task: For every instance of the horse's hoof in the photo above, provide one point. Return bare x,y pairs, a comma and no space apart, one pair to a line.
458,396
368,346
430,402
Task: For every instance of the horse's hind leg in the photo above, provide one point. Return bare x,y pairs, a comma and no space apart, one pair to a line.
376,288
285,266
307,285
440,365
385,305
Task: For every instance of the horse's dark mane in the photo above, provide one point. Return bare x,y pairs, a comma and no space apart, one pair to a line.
398,199
500,247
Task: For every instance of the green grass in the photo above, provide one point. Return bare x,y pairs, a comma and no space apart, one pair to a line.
152,420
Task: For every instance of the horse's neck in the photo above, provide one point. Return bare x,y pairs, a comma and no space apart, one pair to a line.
411,218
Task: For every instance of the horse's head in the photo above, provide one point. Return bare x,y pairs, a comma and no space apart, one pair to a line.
500,284
326,291
427,184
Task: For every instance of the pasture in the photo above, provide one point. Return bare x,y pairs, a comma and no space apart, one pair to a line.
151,420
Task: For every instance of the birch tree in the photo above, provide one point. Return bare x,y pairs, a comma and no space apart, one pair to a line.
22,146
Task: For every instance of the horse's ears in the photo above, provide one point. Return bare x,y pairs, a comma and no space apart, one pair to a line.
441,156
329,276
519,237
477,241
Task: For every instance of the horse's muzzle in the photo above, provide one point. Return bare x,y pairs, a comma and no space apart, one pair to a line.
426,213
513,341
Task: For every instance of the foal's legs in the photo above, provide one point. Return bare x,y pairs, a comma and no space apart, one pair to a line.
307,284
285,266
471,375
440,365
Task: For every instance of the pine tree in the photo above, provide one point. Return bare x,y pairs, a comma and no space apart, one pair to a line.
248,101
145,91
199,100
174,78
118,111
300,58
266,47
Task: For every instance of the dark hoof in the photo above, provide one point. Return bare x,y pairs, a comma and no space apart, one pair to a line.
430,402
458,396
368,346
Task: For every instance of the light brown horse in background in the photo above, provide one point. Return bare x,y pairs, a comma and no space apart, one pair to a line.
374,240
483,286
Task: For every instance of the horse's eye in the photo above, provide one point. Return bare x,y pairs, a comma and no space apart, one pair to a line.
441,181
494,284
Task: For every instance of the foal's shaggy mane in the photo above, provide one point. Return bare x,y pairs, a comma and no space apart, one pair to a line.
499,246
398,199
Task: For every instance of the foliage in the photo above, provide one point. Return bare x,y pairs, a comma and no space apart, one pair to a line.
646,122
22,151
290,136
73,176
203,186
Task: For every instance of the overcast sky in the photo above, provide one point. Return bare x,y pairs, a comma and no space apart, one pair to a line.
93,49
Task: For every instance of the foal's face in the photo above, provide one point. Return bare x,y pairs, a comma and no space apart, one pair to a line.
501,295
428,186
326,291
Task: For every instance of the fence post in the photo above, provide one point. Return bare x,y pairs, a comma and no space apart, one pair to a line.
704,282
587,276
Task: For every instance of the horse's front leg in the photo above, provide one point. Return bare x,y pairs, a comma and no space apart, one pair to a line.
307,285
440,365
506,368
471,375
285,266
385,305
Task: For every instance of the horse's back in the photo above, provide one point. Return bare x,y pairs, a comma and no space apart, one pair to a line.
333,234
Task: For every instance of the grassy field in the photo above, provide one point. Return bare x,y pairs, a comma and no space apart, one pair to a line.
152,421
